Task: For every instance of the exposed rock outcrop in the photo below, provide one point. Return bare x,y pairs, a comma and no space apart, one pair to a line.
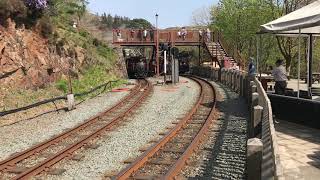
28,61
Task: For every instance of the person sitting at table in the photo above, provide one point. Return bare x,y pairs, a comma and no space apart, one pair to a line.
280,77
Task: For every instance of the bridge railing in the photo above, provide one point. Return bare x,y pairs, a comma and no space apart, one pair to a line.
121,36
262,150
231,50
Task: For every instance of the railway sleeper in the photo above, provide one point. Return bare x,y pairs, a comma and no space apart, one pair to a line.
161,162
145,177
17,170
174,150
56,171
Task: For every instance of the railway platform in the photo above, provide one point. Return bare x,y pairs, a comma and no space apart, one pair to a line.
299,149
282,149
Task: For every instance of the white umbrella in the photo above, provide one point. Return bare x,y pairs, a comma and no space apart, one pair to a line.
302,22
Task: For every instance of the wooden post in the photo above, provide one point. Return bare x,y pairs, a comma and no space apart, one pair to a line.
71,102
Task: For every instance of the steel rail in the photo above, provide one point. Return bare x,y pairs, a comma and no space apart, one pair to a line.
177,167
69,150
13,160
141,160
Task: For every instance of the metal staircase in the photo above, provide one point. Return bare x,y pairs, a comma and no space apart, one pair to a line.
218,53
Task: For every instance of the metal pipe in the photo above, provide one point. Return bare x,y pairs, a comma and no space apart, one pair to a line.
258,52
308,57
310,62
299,59
165,66
157,47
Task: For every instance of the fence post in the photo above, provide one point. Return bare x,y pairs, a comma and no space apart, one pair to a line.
257,120
224,77
229,79
252,103
251,90
235,81
241,90
238,82
71,102
254,158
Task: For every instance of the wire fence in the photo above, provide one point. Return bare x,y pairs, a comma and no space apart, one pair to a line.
104,87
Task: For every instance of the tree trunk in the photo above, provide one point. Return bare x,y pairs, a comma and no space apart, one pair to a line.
288,64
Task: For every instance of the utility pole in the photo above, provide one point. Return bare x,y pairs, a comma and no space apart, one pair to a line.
165,66
157,47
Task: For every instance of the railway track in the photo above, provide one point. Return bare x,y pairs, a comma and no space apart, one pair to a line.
166,158
41,158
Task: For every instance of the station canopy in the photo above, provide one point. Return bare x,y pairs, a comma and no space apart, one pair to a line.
307,19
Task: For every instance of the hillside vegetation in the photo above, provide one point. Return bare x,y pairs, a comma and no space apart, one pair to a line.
40,49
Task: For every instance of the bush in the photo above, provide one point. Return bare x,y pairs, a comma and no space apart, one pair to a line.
45,27
83,33
14,9
96,42
62,85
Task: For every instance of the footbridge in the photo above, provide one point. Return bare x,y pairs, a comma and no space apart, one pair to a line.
220,55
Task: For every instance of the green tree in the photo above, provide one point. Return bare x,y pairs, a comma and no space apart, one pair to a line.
239,20
139,23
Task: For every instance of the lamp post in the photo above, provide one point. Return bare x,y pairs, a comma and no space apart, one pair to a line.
157,46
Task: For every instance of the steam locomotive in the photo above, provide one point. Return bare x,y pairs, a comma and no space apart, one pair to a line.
137,67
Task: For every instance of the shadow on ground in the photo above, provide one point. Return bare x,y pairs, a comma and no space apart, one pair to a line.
228,154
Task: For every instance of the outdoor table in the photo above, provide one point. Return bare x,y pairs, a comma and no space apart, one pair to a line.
264,81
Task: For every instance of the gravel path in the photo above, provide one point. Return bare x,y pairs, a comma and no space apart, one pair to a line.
223,156
22,135
165,106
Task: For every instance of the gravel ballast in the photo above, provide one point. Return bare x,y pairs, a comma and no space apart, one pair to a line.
22,135
223,155
166,105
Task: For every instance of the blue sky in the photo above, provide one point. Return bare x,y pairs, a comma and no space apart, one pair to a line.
171,12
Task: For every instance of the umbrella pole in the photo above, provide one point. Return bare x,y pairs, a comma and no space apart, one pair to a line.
258,53
310,64
299,59
308,59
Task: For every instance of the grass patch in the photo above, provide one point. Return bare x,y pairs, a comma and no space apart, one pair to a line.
15,97
91,78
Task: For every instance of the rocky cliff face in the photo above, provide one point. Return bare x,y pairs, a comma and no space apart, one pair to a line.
28,61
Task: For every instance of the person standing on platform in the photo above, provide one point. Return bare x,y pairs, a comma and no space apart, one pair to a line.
208,35
179,34
132,34
252,68
200,35
184,33
279,74
145,34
